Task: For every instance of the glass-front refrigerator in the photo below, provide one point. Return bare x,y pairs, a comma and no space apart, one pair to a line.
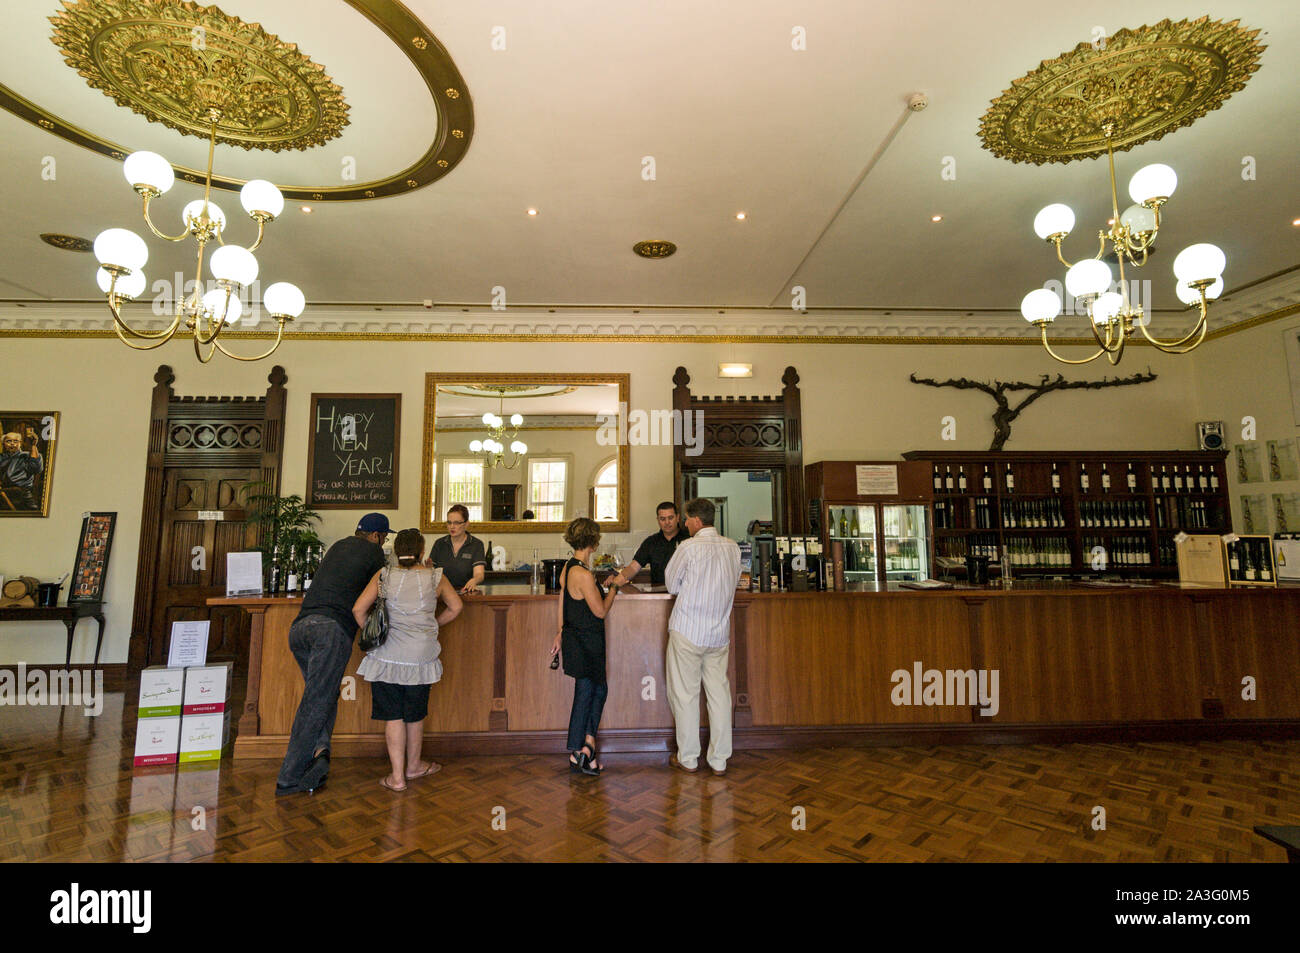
883,542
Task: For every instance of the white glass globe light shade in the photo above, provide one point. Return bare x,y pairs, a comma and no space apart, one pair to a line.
194,210
1040,305
1198,262
1189,295
1088,277
1156,181
284,298
518,446
1054,220
516,419
259,195
487,419
1106,307
149,169
234,263
128,286
215,300
1138,218
121,247
476,446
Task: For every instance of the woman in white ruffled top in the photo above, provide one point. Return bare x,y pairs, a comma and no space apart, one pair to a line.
401,671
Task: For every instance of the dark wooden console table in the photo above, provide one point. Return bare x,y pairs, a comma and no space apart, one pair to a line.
69,615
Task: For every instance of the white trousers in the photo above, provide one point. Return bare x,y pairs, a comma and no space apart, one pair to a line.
686,666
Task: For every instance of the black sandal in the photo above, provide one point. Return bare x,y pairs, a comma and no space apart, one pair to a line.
591,768
579,766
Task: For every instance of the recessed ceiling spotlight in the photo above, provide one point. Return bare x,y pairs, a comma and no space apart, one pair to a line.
306,210
532,211
740,216
936,218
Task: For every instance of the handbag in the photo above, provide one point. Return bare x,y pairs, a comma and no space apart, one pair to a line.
376,628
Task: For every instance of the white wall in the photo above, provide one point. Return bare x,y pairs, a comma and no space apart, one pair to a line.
857,404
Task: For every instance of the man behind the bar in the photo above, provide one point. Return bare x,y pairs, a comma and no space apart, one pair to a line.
656,549
703,574
321,642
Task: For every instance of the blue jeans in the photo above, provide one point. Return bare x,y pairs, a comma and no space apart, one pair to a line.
588,702
322,649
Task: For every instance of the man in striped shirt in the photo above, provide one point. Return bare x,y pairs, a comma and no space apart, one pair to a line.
702,574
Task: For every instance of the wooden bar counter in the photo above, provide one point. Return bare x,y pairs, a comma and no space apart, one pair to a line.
1074,663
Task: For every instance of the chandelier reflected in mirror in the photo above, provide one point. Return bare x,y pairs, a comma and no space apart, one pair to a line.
494,445
122,255
1113,316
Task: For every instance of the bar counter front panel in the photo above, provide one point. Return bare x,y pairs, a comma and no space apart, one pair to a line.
1073,663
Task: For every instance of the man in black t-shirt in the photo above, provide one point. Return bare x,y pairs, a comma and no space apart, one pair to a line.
657,549
321,642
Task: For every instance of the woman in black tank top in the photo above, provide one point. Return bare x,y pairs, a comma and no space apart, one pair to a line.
583,607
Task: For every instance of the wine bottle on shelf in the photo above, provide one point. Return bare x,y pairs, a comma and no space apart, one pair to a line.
1105,479
1250,564
988,481
1083,477
1234,563
854,529
309,569
844,523
947,479
1132,479
1178,480
1164,479
1056,479
273,584
1265,574
938,480
1011,480
961,479
291,573
1201,481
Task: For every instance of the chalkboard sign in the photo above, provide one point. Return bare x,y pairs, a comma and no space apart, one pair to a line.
352,452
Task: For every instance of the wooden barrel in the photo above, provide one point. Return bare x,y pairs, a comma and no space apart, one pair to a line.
20,587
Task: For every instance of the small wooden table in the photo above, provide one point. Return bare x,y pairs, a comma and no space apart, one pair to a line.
69,615
1287,837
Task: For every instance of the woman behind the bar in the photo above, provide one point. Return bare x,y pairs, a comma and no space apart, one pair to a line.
583,607
401,671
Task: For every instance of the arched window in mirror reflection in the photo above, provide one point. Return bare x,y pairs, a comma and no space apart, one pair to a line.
605,491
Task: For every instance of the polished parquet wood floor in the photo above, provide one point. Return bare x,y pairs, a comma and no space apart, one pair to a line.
68,793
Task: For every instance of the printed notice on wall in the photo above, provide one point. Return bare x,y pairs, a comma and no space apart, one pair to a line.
189,644
876,480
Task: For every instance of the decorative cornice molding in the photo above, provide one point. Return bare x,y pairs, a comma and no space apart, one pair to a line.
1260,304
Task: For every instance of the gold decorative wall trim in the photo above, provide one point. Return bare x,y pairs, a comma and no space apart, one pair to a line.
446,86
1134,86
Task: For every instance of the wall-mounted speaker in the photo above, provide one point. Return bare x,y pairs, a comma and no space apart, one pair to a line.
1210,434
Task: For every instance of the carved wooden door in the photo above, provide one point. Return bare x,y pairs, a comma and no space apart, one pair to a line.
202,521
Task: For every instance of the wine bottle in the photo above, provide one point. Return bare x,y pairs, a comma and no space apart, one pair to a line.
988,481
1083,477
273,586
308,570
1265,573
1201,483
1234,564
1011,480
1132,479
947,479
1250,564
961,479
844,523
1178,480
1214,479
291,575
938,480
1105,479
1056,479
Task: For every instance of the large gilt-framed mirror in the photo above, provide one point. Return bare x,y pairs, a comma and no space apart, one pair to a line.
574,461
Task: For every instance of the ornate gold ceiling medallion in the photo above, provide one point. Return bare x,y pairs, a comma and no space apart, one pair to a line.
1141,85
656,248
434,64
174,61
67,242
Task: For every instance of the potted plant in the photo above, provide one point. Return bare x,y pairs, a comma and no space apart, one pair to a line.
284,521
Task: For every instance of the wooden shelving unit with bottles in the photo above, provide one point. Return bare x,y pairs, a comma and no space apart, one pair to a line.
1061,511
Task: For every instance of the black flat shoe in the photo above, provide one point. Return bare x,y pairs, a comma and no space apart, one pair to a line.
585,762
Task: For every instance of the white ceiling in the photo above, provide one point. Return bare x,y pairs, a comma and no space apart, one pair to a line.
735,120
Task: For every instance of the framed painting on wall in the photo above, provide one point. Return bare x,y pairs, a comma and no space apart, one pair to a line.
27,461
92,557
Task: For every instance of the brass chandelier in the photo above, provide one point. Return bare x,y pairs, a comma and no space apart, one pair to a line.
122,255
494,444
1113,316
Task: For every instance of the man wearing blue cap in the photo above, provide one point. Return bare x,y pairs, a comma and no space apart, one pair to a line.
321,642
